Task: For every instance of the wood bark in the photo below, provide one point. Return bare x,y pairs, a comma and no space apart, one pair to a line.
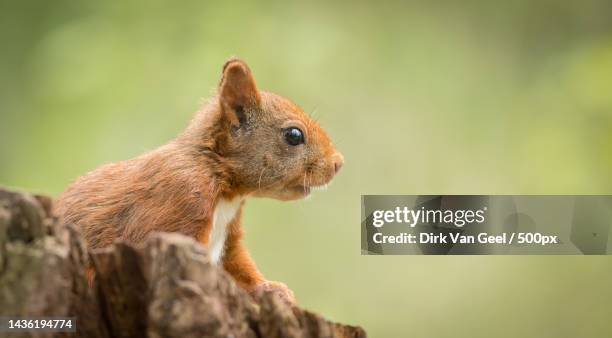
167,287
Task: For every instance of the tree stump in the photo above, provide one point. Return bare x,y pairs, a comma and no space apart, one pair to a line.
167,287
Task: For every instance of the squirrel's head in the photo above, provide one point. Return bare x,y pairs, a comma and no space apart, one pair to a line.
274,149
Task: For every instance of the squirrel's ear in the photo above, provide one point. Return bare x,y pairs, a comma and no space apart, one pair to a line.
237,89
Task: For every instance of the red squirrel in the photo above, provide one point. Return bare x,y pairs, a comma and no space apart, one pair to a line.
243,142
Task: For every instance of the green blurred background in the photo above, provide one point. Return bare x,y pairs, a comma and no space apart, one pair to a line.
483,97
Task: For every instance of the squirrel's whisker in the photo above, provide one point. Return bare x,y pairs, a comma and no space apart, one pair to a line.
260,175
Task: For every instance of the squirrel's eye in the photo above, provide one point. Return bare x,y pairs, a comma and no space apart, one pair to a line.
294,136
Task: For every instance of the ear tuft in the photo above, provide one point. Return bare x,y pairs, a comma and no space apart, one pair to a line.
237,89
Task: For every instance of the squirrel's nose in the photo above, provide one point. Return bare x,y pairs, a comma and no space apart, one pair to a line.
338,162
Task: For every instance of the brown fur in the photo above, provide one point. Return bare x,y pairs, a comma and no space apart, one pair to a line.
233,146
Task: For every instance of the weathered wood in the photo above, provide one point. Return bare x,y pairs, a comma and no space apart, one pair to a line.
166,288
42,270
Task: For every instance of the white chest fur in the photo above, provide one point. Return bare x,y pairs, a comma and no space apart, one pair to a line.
224,213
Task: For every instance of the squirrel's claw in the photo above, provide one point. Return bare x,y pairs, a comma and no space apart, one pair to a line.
280,289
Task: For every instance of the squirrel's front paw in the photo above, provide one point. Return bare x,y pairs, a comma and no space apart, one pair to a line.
278,288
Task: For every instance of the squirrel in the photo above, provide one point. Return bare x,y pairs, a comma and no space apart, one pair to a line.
242,143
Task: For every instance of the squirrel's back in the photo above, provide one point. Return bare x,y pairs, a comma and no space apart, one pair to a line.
167,189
